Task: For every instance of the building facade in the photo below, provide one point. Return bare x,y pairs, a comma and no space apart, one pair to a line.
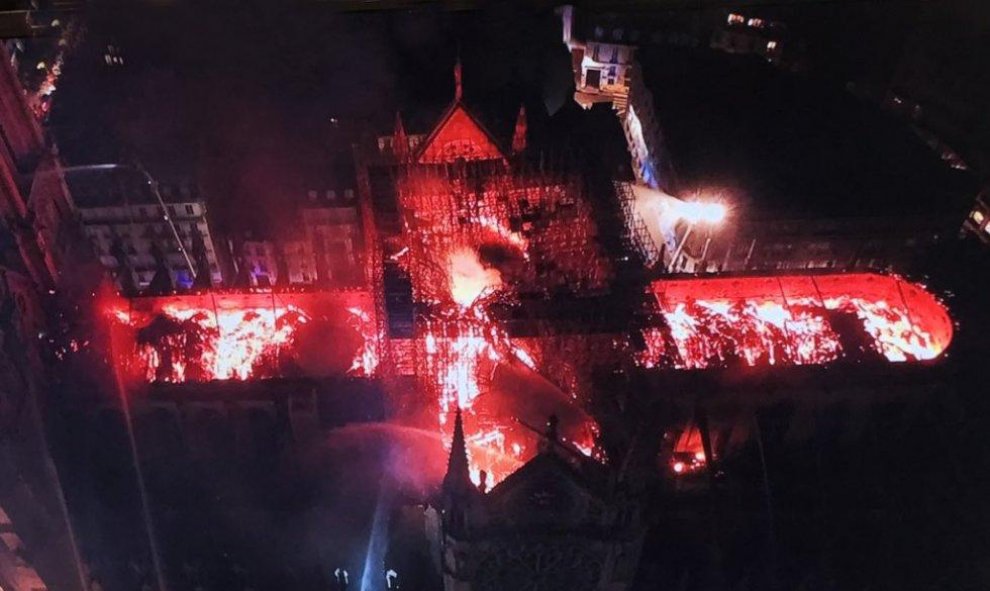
557,523
37,251
605,71
135,237
325,248
881,234
978,221
333,235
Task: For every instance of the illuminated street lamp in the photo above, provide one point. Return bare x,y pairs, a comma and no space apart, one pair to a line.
698,212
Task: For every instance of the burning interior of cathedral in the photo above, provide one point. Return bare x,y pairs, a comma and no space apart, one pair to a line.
485,240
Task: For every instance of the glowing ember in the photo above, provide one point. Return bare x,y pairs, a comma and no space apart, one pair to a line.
462,348
894,335
198,344
366,361
469,238
487,451
469,279
774,330
514,238
461,353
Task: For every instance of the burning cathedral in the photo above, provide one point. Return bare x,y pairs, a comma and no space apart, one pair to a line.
560,390
510,290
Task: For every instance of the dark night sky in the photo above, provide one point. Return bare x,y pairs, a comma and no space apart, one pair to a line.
245,98
790,144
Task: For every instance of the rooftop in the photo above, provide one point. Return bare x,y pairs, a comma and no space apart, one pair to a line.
124,186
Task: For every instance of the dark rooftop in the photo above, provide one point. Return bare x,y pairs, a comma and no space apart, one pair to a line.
124,186
784,144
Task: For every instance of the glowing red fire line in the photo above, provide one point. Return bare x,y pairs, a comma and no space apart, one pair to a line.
189,343
462,348
366,360
761,328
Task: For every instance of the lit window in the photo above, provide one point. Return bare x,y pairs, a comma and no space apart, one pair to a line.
987,228
771,45
977,216
736,19
756,23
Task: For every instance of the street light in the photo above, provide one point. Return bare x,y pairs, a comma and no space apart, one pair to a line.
698,212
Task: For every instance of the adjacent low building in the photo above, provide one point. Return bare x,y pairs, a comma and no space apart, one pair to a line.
325,250
38,251
808,175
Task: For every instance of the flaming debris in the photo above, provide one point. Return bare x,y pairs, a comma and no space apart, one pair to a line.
198,344
764,328
469,279
366,360
463,347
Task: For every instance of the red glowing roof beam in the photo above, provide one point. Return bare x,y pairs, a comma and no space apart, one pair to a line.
794,320
245,335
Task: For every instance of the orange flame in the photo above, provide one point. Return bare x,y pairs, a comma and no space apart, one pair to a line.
469,279
218,344
366,360
708,333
